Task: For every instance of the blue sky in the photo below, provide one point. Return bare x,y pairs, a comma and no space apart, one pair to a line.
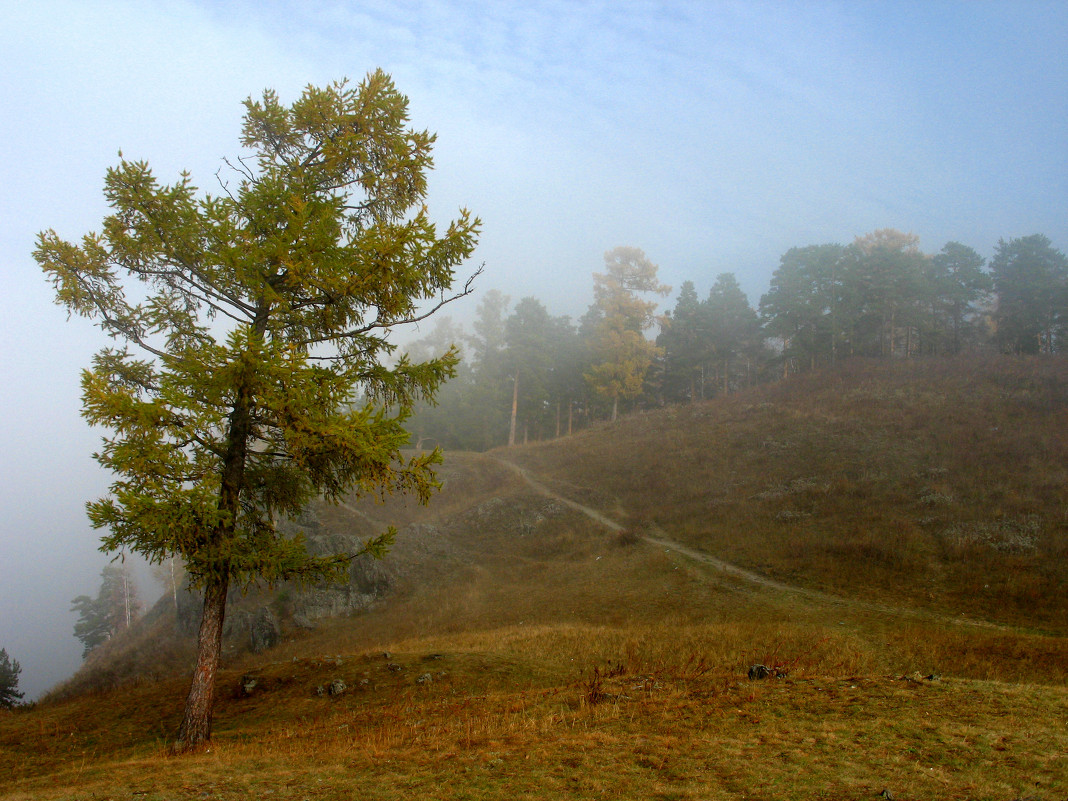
715,136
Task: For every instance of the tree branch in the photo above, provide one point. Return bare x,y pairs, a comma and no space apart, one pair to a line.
379,324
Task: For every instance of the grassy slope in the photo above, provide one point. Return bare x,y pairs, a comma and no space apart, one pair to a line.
575,662
935,484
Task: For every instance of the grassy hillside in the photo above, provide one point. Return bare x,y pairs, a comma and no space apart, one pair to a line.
938,484
898,534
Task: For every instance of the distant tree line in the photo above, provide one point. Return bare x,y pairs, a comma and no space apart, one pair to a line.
527,375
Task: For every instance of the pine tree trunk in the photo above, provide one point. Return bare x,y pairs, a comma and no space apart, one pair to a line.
196,722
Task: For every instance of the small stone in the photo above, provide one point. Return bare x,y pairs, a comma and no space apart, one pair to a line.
759,672
426,678
337,687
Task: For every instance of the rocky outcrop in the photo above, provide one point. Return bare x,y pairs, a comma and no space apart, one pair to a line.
256,619
369,579
264,631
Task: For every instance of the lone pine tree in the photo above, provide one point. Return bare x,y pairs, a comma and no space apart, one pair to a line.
250,373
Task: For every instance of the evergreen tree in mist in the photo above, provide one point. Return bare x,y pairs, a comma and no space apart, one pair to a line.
114,609
9,681
1031,284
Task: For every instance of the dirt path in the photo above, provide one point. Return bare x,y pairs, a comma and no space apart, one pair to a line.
662,541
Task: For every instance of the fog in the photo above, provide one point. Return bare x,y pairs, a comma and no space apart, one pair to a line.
714,136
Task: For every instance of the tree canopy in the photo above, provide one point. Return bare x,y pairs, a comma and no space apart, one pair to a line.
251,367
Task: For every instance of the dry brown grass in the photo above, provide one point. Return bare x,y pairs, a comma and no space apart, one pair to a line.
672,717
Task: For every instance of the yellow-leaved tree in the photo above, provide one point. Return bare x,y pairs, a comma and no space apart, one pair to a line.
622,354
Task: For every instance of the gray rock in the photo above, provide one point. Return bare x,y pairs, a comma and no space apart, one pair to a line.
759,672
368,581
248,684
264,631
337,687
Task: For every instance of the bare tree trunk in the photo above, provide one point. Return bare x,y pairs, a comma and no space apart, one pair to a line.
196,722
893,331
174,586
570,410
126,593
515,407
615,407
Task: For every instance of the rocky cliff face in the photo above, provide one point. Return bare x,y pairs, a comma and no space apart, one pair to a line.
368,581
256,619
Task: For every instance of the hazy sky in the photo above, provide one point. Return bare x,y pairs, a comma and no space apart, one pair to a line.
715,136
